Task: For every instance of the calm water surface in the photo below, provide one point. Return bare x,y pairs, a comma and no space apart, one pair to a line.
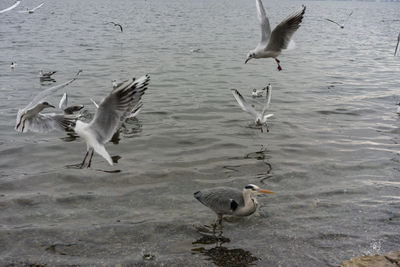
332,154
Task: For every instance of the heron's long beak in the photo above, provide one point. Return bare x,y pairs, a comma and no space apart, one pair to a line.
247,59
265,191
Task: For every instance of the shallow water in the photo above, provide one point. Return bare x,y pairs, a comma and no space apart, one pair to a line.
332,153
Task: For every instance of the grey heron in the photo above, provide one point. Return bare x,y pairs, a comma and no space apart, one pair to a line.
260,117
109,116
230,201
272,43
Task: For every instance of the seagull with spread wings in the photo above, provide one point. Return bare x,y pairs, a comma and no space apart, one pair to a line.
341,25
272,43
260,117
30,11
109,116
116,25
31,118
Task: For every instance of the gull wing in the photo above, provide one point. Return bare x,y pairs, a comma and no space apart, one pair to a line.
38,6
94,103
11,7
243,103
44,123
63,102
397,46
281,35
268,101
46,93
116,106
264,22
135,110
334,22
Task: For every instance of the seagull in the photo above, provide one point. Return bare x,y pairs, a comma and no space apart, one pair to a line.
116,24
398,108
258,93
111,111
230,201
114,83
30,11
68,109
12,65
30,118
397,46
341,25
272,43
11,7
46,75
261,118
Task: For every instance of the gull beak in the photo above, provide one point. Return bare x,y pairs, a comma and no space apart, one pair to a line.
265,191
247,59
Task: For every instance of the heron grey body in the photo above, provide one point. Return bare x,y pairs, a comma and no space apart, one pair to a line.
230,201
109,116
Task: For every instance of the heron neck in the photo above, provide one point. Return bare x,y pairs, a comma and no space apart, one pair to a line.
248,202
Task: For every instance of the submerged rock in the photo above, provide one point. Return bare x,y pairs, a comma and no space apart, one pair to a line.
391,259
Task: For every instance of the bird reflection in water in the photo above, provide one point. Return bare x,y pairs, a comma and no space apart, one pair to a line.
219,254
262,155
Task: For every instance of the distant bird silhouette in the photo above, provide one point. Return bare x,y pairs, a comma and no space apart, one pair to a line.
30,11
397,46
341,25
116,24
12,65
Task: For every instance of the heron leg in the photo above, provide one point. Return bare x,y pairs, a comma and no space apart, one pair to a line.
279,65
84,159
90,160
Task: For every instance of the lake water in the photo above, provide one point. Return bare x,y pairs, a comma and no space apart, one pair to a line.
332,154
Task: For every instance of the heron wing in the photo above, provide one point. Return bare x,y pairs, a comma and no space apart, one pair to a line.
281,35
219,199
243,103
115,107
11,7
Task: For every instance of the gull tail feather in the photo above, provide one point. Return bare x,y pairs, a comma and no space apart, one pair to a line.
100,149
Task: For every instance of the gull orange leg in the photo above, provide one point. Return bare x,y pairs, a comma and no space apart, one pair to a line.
90,160
84,159
279,65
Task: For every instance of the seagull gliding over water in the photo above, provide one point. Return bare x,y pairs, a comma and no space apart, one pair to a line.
30,11
272,43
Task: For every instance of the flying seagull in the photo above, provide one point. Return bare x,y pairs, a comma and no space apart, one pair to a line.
68,109
272,43
397,46
111,111
44,75
11,7
341,25
116,24
230,201
30,118
30,11
260,118
12,65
